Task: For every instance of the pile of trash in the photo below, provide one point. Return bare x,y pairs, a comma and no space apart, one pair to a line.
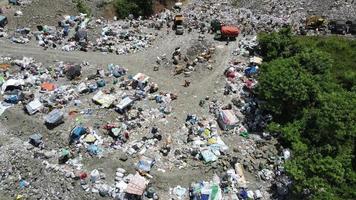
41,91
231,184
20,2
117,36
70,34
130,35
255,151
241,80
201,13
197,55
125,186
123,38
3,32
21,36
205,140
263,16
33,85
294,9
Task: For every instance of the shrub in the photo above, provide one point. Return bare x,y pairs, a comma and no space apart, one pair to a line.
136,7
83,7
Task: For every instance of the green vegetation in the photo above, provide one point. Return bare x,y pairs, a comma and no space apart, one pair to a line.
342,52
83,7
236,3
135,7
308,84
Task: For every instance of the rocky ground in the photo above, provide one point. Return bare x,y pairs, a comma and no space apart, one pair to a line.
34,173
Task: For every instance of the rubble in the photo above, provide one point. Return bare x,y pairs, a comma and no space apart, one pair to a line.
124,38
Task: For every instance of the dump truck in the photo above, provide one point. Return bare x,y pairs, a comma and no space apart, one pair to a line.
227,33
178,24
316,22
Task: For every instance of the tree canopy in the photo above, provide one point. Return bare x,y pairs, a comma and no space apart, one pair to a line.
313,105
136,7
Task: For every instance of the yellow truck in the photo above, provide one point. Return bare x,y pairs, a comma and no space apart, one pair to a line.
316,22
178,24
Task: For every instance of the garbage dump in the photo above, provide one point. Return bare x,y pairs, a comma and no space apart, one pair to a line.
82,118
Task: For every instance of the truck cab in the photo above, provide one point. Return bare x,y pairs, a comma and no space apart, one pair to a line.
215,25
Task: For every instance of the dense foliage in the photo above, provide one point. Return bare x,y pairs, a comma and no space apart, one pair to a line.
342,52
83,7
136,7
308,84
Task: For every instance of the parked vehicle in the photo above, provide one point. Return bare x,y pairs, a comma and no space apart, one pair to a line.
338,27
178,24
227,33
316,22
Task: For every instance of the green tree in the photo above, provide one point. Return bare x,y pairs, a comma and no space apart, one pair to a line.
136,7
348,79
83,7
146,7
342,51
313,105
315,61
124,8
277,44
286,88
333,121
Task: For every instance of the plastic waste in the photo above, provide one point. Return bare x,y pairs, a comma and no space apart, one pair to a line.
179,191
101,83
23,184
94,175
54,117
77,132
13,99
36,139
93,149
